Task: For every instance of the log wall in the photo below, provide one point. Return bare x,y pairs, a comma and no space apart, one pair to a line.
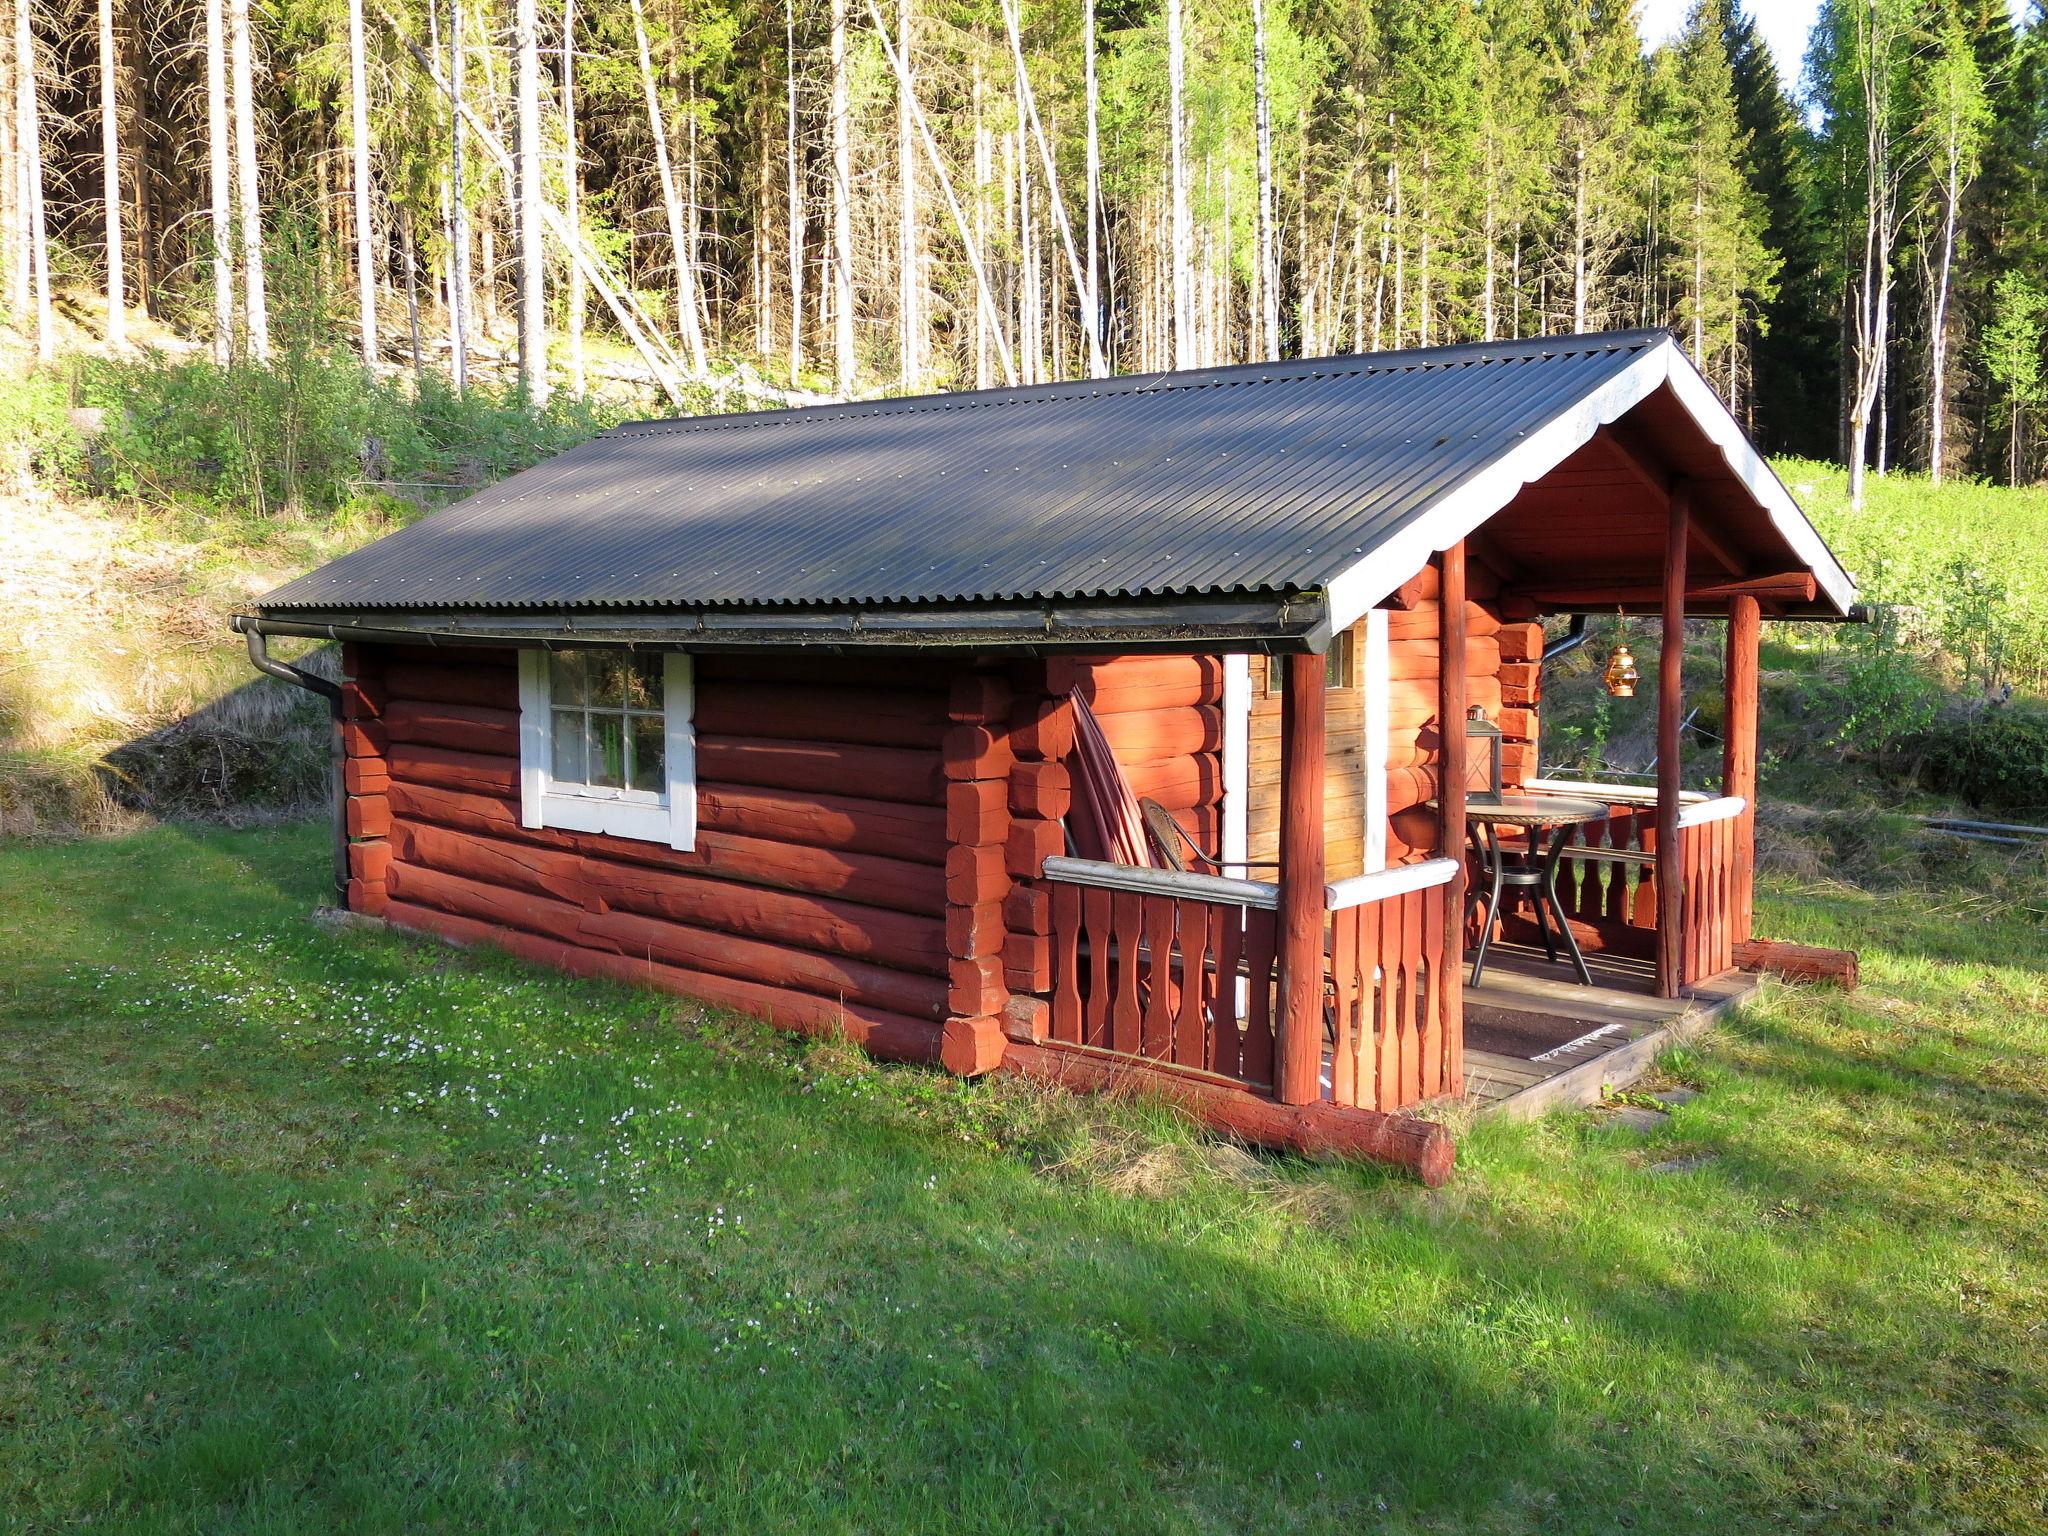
1163,716
1343,768
1503,663
820,894
1503,673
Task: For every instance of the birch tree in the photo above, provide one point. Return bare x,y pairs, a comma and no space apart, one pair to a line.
793,168
840,130
110,177
359,161
29,136
531,195
458,216
1955,120
220,181
1267,340
1092,91
1862,58
909,319
572,199
1182,237
255,307
671,201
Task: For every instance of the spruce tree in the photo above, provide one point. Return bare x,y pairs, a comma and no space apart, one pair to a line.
1790,407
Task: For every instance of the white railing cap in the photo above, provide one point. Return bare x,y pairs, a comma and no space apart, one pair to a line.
1614,794
1382,883
1163,882
1703,811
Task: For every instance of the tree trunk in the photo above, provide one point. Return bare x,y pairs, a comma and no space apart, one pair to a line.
533,316
1092,295
842,208
458,286
220,173
256,308
678,234
661,362
359,160
972,245
909,324
572,196
29,133
796,198
1581,239
141,237
409,256
984,319
1182,230
110,177
1937,340
1028,103
1699,268
1268,262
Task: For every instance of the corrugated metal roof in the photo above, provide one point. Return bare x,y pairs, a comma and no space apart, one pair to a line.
1263,477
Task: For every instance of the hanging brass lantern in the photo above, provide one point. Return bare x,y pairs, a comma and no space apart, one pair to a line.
1621,676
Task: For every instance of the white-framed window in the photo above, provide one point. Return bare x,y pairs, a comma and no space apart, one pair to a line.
606,743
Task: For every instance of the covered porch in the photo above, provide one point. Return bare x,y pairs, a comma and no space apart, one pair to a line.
1331,986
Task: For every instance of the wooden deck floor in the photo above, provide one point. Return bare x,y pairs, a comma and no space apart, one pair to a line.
1536,1040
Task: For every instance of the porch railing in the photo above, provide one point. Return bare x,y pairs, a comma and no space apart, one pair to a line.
1180,971
1175,969
1608,882
1712,896
1390,1040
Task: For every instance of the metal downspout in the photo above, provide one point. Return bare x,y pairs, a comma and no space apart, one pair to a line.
261,659
1571,640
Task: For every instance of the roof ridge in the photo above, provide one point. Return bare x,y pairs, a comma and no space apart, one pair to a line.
1169,381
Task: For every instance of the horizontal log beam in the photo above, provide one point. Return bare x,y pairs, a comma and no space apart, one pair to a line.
865,878
1799,962
1789,587
789,712
639,936
1148,735
482,773
843,822
454,681
453,727
1318,1129
910,775
891,1036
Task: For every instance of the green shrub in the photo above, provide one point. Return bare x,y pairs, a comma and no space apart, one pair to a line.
1996,758
39,444
310,432
1881,695
1962,558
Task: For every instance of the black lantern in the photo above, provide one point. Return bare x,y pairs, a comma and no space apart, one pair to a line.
1480,730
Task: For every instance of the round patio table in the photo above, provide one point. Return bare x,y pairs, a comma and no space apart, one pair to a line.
1550,821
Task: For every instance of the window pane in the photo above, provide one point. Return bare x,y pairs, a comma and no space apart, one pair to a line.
643,682
571,682
650,753
568,746
608,671
607,748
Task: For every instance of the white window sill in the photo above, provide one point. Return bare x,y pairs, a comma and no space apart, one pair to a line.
643,820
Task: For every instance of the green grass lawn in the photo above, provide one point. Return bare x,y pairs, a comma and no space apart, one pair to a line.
306,1229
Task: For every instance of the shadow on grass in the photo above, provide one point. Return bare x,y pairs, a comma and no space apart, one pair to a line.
286,1306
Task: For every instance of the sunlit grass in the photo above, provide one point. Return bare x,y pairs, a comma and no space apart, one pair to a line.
312,1228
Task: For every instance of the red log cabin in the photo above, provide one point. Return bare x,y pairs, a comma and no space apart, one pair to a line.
792,712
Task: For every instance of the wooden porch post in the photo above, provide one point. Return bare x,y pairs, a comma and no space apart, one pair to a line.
1450,713
1297,1075
1670,700
1738,752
